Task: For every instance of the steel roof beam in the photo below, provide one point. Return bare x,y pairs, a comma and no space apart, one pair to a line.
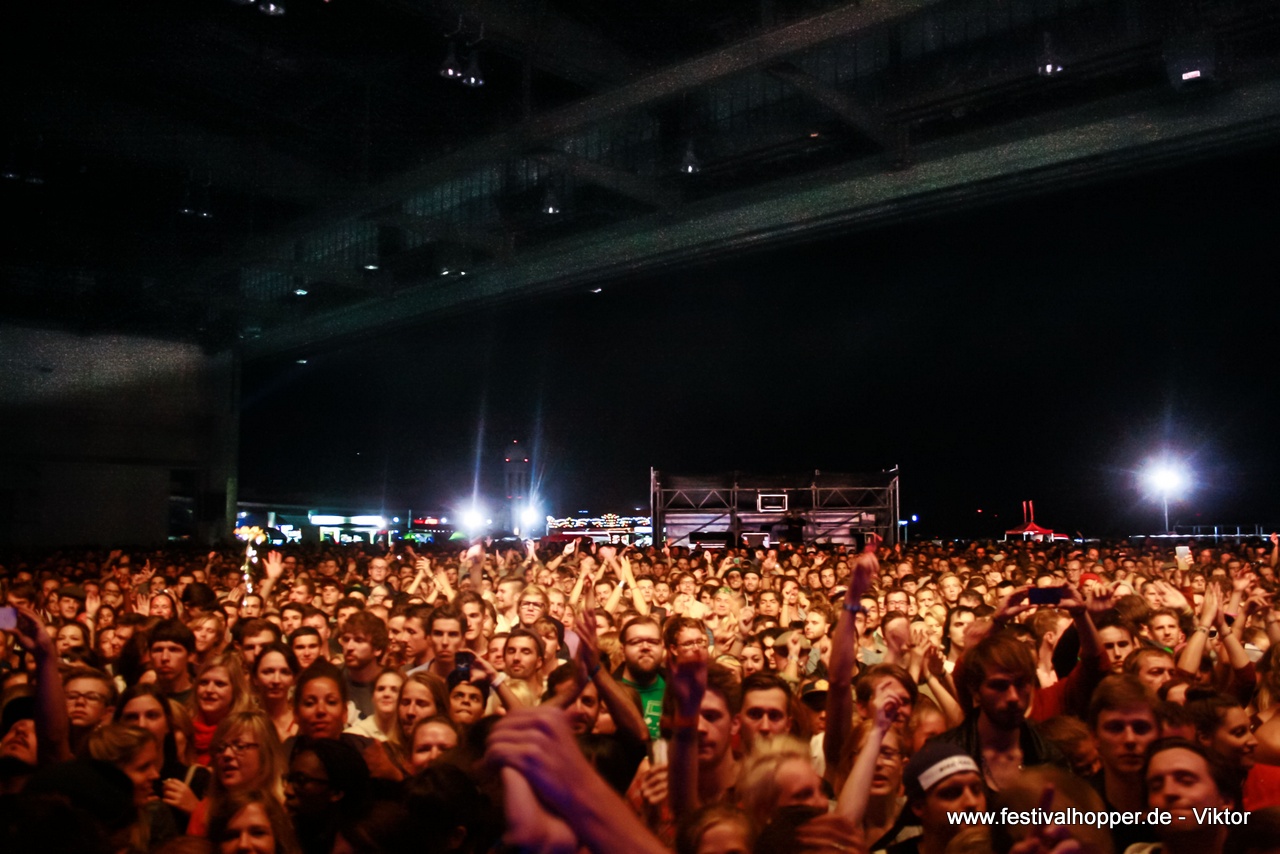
618,180
864,120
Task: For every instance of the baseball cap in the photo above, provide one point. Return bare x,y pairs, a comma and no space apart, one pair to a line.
932,764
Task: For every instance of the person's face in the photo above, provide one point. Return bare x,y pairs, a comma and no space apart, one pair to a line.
378,569
237,759
111,594
959,621
290,620
1122,736
413,636
110,644
769,606
720,604
752,658
248,832
300,594
585,710
162,607
20,741
925,599
308,791
169,660
87,702
1116,644
206,632
765,714
329,595
897,601
68,638
214,693
1155,599
661,592
69,606
521,657
1233,740
307,649
446,639
357,650
504,596
143,770
475,619
145,711
951,589
887,779
493,653
799,785
273,677
1004,698
955,794
1165,630
1179,780
253,645
726,837
416,703
466,702
815,626
642,650
687,585
430,741
386,694
251,607
321,713
790,592
716,729
1155,671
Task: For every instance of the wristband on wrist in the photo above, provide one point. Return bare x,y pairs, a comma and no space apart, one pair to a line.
854,609
498,680
591,674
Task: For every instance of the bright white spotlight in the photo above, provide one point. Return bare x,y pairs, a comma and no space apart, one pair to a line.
472,519
1166,478
528,516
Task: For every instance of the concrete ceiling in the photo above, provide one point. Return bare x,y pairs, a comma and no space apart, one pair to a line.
324,142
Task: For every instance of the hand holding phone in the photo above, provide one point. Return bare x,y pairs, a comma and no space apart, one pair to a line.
1045,595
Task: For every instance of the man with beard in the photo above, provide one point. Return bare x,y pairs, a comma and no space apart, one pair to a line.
997,682
641,668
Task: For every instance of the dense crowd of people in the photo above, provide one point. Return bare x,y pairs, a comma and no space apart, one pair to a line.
606,698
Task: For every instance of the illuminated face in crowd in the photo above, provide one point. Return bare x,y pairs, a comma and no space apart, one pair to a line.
522,659
466,702
1179,780
764,714
1004,698
1165,630
307,648
1117,643
1122,737
768,605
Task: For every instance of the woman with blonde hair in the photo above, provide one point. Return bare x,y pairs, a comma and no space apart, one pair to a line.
247,756
220,689
383,724
211,636
778,773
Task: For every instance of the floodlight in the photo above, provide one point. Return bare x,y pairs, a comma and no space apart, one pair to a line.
472,519
529,516
1169,479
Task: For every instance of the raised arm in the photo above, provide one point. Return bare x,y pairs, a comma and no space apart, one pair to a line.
844,659
856,792
689,685
52,725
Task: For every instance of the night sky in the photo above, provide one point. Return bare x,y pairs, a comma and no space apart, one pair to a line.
1042,349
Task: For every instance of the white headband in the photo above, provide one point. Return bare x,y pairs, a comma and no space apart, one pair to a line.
945,768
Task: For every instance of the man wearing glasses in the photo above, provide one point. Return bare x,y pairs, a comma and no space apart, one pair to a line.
642,668
91,698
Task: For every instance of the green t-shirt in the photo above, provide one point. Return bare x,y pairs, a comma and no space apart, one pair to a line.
650,701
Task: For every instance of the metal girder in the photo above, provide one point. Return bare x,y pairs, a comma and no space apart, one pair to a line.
1090,142
864,120
619,181
761,51
496,245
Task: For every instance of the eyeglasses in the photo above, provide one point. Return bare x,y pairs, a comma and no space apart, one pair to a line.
700,643
530,603
297,778
87,696
239,748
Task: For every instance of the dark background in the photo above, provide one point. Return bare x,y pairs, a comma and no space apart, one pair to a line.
1043,349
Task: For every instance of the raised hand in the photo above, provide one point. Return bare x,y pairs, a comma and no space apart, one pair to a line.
530,827
273,566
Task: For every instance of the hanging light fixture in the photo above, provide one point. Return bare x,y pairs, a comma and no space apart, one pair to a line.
450,68
690,163
1048,65
274,8
472,76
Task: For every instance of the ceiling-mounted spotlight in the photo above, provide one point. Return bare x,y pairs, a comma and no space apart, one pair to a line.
300,292
550,203
472,76
690,163
1191,60
451,68
274,8
1048,65
371,263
